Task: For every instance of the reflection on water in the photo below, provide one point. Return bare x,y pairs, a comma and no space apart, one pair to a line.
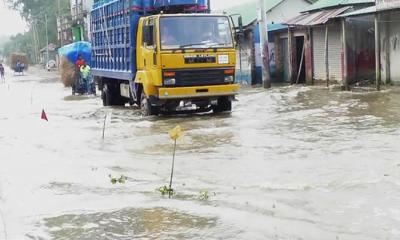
156,223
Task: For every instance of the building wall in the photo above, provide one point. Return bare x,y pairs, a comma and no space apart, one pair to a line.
287,64
259,60
335,51
83,4
390,47
360,40
286,10
245,64
281,13
385,50
81,9
394,51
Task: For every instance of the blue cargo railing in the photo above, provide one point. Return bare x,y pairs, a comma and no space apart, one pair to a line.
113,27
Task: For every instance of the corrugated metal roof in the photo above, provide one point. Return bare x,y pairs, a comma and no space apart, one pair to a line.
322,4
276,27
363,11
316,18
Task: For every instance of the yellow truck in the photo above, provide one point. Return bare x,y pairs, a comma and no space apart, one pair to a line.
172,63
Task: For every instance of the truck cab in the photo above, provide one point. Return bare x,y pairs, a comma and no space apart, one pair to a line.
185,62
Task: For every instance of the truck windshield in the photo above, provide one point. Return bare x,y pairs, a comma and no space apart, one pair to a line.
195,32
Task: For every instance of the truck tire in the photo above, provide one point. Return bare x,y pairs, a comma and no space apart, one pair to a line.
224,105
146,108
107,96
111,96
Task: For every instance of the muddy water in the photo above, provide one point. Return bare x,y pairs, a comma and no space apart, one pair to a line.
289,163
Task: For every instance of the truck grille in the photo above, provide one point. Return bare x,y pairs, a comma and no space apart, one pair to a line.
201,77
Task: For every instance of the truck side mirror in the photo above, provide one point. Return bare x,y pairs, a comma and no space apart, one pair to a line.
240,23
238,28
148,35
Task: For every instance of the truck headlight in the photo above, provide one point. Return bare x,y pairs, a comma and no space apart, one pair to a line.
169,81
229,79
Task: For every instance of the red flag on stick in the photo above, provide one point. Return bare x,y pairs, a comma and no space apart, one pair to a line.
44,116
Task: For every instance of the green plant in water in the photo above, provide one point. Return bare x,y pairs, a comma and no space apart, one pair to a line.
121,179
203,196
164,190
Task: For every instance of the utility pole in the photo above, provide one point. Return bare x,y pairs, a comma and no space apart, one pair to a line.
47,41
60,23
262,24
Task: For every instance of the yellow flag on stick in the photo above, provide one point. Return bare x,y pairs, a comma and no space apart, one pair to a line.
176,133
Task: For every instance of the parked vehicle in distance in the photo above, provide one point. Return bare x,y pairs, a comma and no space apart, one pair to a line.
18,62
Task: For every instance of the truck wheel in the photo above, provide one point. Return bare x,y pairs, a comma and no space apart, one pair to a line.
111,96
145,106
106,96
224,105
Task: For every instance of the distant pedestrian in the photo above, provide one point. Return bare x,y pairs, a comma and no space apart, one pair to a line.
2,78
80,62
86,77
19,67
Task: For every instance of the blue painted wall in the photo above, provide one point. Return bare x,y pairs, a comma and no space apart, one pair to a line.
271,47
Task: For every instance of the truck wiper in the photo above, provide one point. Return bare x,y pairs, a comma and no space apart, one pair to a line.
191,45
206,46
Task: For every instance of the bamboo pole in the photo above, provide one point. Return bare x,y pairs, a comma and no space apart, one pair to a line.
377,53
301,62
290,56
327,55
172,171
345,62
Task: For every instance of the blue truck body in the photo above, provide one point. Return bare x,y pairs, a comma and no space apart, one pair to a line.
113,32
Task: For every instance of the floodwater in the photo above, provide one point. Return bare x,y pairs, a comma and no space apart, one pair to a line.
287,163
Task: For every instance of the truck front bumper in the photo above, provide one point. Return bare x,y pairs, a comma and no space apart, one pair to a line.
198,92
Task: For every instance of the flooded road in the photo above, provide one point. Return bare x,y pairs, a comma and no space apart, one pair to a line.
287,163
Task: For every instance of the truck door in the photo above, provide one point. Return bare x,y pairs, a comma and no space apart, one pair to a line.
150,57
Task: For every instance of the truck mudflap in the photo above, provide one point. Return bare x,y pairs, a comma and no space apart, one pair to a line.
197,92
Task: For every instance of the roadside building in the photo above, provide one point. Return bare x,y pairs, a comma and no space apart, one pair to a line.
249,51
385,19
75,26
359,48
80,11
52,59
313,49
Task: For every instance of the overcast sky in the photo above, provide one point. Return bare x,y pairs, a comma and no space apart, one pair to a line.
11,23
221,4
